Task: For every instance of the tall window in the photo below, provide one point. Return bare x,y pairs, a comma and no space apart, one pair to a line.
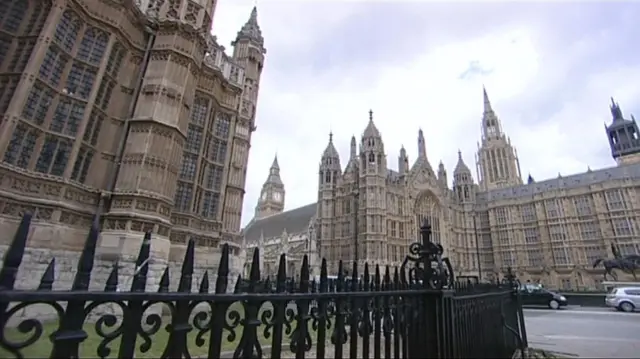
21,23
188,189
216,155
428,207
72,105
58,101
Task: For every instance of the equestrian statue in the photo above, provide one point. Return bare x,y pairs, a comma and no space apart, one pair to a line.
628,264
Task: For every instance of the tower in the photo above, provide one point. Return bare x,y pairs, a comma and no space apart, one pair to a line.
329,175
248,52
442,176
403,161
373,195
271,199
463,187
623,137
497,161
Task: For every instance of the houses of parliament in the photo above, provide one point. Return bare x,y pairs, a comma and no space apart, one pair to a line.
549,231
129,109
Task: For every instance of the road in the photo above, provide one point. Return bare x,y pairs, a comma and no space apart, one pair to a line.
590,333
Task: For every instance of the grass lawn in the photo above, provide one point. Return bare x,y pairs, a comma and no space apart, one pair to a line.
42,348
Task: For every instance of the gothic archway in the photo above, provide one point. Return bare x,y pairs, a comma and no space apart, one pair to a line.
428,206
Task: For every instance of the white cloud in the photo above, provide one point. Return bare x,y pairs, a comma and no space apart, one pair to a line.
551,101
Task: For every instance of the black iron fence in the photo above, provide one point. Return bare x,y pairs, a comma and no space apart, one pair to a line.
414,311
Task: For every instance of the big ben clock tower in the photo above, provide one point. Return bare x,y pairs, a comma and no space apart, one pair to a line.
272,195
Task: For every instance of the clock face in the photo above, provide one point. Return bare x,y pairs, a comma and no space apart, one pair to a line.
277,197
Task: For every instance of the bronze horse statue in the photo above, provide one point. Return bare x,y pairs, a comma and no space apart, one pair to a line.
628,264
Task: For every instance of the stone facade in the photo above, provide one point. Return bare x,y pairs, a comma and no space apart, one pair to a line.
131,110
549,231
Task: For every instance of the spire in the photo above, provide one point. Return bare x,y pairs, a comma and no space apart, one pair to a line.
330,151
422,147
251,29
616,112
371,130
274,172
491,126
487,103
461,167
353,153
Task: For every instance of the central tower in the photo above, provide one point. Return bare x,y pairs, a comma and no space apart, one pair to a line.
497,161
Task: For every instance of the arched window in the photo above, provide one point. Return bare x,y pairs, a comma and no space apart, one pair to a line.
428,207
372,158
93,46
67,30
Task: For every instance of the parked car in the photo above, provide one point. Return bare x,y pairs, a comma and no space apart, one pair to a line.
626,299
535,294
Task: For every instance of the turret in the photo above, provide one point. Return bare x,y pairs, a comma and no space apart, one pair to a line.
330,169
329,176
249,52
403,161
442,176
373,195
463,187
624,137
422,161
372,157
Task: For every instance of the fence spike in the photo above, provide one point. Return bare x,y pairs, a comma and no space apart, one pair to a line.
85,263
112,281
304,275
186,276
340,286
237,288
367,277
14,254
354,277
48,277
377,279
324,282
222,281
139,282
163,287
387,279
204,284
254,275
281,279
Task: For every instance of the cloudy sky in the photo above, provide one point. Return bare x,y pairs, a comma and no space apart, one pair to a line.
549,68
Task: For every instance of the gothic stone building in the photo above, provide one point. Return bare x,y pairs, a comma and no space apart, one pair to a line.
130,109
549,231
275,232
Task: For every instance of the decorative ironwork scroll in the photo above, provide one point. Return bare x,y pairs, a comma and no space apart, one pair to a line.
431,269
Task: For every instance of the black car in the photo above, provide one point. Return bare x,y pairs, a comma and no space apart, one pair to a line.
535,294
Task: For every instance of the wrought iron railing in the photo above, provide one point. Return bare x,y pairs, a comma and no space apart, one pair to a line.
408,312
